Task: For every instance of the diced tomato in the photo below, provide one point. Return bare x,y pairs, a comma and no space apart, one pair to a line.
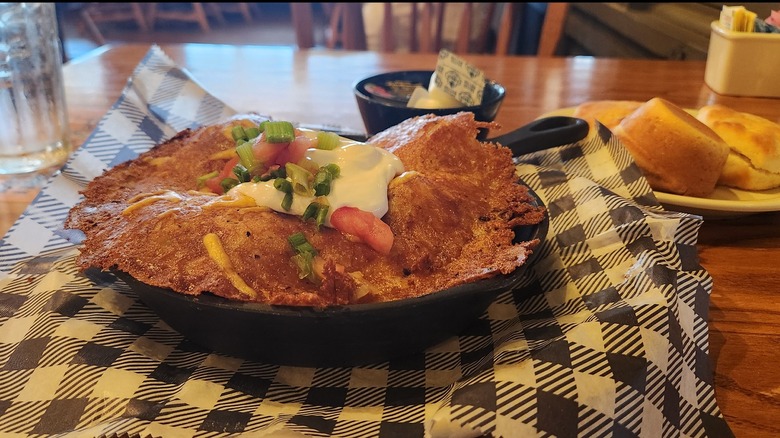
295,150
365,226
227,172
268,152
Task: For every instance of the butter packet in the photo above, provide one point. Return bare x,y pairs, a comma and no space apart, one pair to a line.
458,78
737,19
454,83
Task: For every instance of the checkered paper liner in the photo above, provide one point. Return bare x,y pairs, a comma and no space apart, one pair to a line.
607,336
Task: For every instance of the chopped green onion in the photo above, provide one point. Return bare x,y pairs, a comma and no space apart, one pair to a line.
287,201
299,243
283,185
322,182
241,173
324,178
304,256
300,178
246,155
279,172
322,214
296,240
327,140
317,210
311,211
239,133
252,132
333,169
304,262
203,178
228,183
279,132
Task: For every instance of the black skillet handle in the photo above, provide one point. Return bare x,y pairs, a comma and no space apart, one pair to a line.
543,133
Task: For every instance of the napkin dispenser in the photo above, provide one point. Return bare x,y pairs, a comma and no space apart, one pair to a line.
743,63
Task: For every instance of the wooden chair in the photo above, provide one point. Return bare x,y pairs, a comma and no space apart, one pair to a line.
198,13
426,23
95,14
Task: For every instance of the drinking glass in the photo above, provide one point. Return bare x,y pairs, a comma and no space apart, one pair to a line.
34,133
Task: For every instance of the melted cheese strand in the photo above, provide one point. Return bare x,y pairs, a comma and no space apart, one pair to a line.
218,254
139,201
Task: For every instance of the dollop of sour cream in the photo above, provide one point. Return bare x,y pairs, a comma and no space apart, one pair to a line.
365,173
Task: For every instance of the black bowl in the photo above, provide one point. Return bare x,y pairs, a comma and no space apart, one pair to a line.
382,100
335,336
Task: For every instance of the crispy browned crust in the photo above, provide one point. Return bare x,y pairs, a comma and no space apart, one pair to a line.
452,218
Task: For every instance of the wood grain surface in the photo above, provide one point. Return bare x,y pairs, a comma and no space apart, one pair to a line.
315,86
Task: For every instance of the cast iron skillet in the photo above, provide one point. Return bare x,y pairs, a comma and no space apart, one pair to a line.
354,334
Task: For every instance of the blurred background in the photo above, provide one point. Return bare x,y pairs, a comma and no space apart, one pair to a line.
619,30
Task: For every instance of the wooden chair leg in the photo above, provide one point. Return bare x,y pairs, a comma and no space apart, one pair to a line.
388,31
245,12
353,32
138,13
336,20
439,11
92,27
483,36
213,10
552,28
505,29
200,15
151,15
431,30
426,44
414,39
463,40
303,23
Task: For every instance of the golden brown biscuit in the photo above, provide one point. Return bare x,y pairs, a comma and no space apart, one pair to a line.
677,153
754,159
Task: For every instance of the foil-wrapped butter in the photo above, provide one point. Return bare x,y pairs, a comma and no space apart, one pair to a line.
454,83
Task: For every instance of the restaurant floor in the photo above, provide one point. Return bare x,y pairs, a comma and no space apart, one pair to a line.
271,25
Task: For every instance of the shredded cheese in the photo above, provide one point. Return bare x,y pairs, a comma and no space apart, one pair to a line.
160,161
217,253
223,155
143,199
404,177
238,201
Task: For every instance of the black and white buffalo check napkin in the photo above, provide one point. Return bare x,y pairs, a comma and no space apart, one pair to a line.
615,345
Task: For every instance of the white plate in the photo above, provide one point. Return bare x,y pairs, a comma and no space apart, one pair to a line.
723,203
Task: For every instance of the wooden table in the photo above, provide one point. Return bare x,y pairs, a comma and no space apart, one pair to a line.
316,86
